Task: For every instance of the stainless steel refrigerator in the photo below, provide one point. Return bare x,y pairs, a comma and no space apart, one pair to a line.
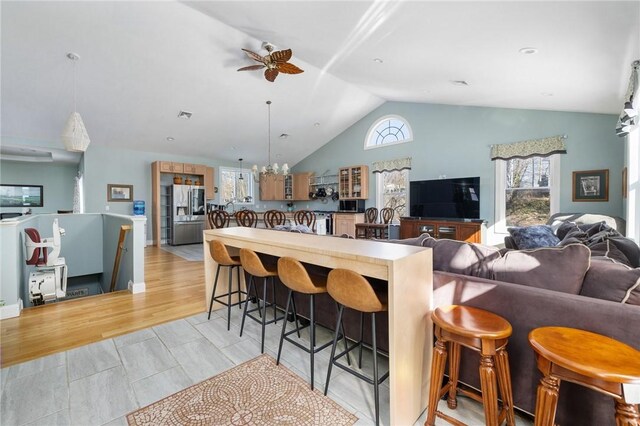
187,214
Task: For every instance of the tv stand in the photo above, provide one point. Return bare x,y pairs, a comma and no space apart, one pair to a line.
469,230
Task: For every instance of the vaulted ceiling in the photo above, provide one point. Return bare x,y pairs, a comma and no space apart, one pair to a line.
142,62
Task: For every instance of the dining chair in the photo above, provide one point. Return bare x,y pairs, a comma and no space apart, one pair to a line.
218,219
273,218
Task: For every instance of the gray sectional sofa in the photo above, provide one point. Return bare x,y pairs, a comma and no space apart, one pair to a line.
562,286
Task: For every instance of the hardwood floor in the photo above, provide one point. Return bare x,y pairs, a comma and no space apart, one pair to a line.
174,289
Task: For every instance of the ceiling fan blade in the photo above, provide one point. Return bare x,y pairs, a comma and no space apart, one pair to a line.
289,68
253,55
270,74
251,68
281,56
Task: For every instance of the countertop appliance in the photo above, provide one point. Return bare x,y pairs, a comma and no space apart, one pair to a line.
356,206
187,214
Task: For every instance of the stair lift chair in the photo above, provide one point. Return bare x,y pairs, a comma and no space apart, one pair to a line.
49,281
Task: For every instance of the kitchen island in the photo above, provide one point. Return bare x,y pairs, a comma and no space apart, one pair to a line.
408,272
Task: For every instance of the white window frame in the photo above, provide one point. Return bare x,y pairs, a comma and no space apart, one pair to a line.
380,202
375,125
500,226
246,175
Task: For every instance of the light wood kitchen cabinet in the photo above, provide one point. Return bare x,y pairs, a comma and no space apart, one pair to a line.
345,223
171,167
353,182
209,182
271,188
194,169
301,185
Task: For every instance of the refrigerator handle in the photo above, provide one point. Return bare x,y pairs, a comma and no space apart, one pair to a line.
190,203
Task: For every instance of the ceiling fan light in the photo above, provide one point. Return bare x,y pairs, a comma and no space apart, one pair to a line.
74,134
630,110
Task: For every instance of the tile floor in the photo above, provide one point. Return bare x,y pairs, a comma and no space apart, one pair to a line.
100,383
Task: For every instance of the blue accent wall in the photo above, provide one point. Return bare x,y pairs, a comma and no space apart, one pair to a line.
57,179
455,141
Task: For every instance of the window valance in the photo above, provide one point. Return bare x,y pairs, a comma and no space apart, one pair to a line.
391,165
532,148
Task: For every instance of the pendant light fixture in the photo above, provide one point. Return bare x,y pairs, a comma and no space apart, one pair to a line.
241,177
269,170
74,135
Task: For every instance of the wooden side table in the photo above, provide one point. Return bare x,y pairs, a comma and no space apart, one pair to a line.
588,359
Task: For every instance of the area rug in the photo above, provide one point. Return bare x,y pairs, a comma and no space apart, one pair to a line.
258,392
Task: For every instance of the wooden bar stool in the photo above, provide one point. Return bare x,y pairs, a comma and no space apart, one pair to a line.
294,275
483,332
246,218
353,291
588,359
252,264
221,256
364,230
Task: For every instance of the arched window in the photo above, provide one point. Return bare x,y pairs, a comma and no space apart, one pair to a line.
388,130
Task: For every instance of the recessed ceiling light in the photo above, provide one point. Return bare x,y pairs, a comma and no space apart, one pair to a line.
170,139
546,94
278,155
528,50
378,60
316,124
284,136
459,83
185,115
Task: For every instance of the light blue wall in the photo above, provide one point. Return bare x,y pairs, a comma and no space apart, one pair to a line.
57,179
103,165
455,141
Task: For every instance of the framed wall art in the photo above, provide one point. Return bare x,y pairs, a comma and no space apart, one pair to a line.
118,192
591,185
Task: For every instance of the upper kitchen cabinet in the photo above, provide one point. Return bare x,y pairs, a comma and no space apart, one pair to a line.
301,182
353,182
272,187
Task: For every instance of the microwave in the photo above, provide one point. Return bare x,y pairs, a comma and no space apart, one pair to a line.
352,206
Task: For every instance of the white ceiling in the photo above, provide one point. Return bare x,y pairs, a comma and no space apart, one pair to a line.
141,62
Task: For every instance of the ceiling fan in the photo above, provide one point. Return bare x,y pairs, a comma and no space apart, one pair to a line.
274,62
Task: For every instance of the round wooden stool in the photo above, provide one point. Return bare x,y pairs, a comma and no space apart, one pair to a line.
254,266
589,359
353,291
221,256
483,332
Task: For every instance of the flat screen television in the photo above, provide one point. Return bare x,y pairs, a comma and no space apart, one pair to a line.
21,195
457,198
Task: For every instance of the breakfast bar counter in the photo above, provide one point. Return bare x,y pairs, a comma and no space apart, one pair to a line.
408,272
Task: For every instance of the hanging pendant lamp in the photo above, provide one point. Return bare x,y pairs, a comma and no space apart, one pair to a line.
74,135
269,170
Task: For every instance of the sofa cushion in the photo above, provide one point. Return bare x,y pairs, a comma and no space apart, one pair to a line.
531,237
461,257
609,280
553,268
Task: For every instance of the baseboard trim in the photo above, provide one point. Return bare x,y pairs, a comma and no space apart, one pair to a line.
11,311
137,287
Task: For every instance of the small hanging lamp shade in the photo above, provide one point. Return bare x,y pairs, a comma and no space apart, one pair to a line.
74,135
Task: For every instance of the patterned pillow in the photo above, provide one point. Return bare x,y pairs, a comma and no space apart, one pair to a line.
531,237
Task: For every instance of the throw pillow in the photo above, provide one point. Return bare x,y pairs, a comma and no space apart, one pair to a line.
416,241
608,250
609,280
552,268
531,237
629,248
460,257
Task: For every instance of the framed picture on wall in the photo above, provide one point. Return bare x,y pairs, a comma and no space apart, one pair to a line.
591,185
118,192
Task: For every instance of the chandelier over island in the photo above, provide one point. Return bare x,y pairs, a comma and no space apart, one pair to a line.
269,170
